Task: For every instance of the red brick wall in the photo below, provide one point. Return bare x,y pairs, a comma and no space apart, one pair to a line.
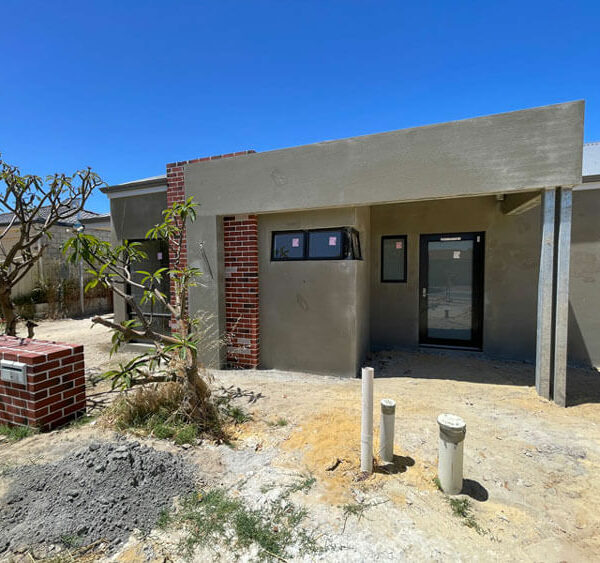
241,285
241,290
55,390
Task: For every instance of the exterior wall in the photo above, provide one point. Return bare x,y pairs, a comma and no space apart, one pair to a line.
533,148
511,274
241,290
313,314
584,284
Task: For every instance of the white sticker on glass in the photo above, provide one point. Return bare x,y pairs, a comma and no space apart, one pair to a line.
295,242
399,244
332,241
456,255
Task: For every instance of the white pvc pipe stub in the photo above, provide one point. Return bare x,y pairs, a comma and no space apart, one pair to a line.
386,430
450,462
366,434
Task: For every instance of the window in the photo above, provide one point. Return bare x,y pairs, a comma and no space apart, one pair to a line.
393,258
317,244
288,246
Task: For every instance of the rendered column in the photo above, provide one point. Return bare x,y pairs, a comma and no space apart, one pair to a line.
366,437
563,258
543,355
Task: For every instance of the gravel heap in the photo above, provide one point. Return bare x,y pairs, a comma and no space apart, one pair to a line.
105,490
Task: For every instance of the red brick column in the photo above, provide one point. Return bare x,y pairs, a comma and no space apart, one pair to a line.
54,392
241,290
241,270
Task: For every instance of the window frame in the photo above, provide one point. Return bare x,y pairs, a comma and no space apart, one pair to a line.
346,247
404,238
343,254
287,259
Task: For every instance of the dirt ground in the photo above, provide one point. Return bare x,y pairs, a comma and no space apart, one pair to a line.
532,469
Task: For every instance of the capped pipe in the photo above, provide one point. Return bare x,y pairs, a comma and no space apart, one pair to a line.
450,461
366,435
386,430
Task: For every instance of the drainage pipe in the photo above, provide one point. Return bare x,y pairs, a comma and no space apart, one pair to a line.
450,461
366,435
386,430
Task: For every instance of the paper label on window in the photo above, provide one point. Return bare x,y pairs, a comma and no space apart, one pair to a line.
399,245
332,241
295,242
456,254
159,255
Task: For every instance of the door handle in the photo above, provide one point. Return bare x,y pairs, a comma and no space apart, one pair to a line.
424,292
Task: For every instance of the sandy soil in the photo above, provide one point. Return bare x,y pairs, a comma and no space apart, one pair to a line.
532,469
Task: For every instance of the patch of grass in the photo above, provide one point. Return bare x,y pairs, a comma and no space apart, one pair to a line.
16,433
214,516
71,541
154,410
281,422
237,414
304,484
461,508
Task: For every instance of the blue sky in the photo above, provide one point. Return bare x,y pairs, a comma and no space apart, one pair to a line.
127,86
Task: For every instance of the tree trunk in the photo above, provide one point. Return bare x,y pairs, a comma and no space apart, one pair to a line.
8,312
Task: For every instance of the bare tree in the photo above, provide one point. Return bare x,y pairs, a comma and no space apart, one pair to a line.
34,205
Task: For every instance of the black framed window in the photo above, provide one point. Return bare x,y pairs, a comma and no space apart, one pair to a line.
340,243
289,245
325,244
393,258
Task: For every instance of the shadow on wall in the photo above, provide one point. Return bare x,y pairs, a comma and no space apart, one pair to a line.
583,384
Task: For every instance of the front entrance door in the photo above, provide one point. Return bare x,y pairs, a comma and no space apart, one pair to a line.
451,290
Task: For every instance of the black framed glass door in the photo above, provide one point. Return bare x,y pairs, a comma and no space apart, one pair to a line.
451,289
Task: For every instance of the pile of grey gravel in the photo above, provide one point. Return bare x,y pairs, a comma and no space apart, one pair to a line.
101,492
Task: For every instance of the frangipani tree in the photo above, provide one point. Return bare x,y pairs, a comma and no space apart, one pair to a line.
34,206
175,354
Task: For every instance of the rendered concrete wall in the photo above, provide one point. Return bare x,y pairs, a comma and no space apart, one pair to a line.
533,148
511,264
511,269
313,314
584,285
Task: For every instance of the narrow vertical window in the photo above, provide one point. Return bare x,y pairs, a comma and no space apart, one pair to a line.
393,258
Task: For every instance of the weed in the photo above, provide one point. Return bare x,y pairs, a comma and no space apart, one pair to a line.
237,414
437,483
70,541
81,421
215,516
16,433
164,519
304,484
186,434
461,507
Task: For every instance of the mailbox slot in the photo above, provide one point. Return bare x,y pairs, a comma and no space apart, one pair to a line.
14,372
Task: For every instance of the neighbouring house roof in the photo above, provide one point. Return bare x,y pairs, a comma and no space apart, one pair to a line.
84,217
591,162
142,183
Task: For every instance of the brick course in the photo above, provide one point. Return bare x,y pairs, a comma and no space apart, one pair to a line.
241,271
241,290
55,390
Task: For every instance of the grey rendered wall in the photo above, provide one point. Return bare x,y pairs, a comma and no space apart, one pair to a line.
313,314
131,218
533,148
584,300
511,267
511,274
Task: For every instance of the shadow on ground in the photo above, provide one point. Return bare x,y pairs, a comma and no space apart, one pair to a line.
583,384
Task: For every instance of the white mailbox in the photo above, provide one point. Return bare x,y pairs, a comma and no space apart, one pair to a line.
15,372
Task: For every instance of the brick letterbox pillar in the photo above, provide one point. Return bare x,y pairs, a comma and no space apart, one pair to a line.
42,383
